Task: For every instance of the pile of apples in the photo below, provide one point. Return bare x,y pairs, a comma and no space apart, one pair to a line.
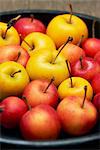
49,77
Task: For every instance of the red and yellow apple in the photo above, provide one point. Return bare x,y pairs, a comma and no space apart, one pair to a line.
76,119
40,123
72,52
13,53
37,92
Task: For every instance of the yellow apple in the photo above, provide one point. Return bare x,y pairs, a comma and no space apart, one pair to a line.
77,89
11,37
37,40
41,65
13,79
59,29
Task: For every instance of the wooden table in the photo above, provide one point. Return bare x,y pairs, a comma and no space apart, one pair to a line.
90,7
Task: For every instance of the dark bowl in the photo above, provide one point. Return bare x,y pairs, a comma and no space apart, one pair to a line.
13,137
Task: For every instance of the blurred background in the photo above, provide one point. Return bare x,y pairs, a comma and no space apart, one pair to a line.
89,7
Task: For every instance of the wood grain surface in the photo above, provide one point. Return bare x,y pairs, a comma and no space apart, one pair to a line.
90,7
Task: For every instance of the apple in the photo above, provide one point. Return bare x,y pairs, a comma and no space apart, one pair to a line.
97,57
96,102
40,123
86,68
76,119
72,52
41,92
11,111
13,79
35,41
8,36
61,27
96,83
91,45
27,25
68,88
44,64
13,53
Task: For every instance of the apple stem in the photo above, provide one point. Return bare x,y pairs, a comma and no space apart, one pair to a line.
25,41
13,20
5,33
49,85
10,24
71,12
32,17
93,28
69,73
1,109
12,75
81,58
70,39
80,41
19,53
26,101
85,90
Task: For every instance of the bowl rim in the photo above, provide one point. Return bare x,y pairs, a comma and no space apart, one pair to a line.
18,11
52,143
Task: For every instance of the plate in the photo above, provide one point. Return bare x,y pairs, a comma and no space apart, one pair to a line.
13,137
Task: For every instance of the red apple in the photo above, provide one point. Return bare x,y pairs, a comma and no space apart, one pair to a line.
96,83
11,110
27,25
91,46
96,101
13,53
76,118
86,67
38,92
97,57
40,123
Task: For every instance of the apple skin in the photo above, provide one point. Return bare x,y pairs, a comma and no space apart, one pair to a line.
96,102
13,110
34,93
37,41
26,25
72,52
59,29
12,85
88,70
10,53
12,36
65,88
96,83
91,46
40,66
40,123
97,57
76,120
